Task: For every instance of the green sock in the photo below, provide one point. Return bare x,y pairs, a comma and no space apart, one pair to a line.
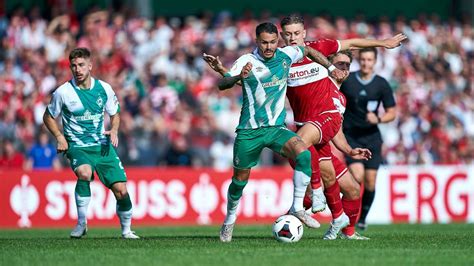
83,188
124,204
234,194
236,188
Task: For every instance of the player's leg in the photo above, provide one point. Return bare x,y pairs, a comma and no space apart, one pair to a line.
290,145
112,174
248,146
311,134
370,173
82,167
350,200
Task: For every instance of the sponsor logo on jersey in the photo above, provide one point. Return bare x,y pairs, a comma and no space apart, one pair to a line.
275,82
258,69
87,116
304,73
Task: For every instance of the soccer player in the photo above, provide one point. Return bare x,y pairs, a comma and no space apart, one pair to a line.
263,76
306,79
81,102
365,91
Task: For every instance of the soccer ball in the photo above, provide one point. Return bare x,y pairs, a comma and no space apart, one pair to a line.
288,229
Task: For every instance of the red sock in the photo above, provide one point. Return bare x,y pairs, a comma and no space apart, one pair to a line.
307,202
351,208
333,199
316,174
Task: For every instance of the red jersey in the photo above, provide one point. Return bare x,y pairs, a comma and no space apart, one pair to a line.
310,90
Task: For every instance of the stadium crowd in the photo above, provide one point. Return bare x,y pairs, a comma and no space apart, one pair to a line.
172,112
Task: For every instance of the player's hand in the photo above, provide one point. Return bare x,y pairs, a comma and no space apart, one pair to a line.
339,75
360,154
62,144
372,118
395,41
214,63
113,137
245,73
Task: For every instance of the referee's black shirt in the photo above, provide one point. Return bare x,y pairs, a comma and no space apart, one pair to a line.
361,96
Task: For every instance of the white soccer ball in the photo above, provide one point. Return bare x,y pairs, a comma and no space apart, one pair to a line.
288,229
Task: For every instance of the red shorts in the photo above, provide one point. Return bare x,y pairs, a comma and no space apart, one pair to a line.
325,153
328,125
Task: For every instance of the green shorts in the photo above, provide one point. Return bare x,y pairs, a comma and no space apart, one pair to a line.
102,159
249,144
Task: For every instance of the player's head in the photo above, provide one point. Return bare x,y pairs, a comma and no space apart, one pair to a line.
80,64
342,60
367,60
293,32
267,39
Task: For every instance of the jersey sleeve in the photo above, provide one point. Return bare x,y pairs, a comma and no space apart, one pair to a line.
56,104
326,46
237,66
112,105
388,99
296,53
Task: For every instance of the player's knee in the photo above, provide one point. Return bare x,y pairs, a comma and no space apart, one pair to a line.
119,190
84,173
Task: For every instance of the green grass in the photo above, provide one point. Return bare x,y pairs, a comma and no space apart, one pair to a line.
252,245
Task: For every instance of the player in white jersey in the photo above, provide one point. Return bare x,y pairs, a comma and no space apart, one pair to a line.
81,102
263,75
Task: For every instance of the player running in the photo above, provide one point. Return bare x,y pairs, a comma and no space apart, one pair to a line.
81,102
263,75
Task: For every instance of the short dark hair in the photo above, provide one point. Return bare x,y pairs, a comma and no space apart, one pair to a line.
267,27
292,19
367,50
80,52
348,53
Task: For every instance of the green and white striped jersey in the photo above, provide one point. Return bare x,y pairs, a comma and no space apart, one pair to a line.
83,111
264,91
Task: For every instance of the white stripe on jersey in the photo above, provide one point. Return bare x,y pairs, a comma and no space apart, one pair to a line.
252,121
279,107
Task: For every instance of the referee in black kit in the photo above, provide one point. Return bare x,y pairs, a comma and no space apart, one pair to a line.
365,91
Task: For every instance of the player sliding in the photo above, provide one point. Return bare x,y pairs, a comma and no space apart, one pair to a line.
263,75
82,102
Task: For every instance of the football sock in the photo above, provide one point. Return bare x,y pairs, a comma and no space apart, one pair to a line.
351,209
367,200
333,199
82,194
316,173
124,212
301,179
234,193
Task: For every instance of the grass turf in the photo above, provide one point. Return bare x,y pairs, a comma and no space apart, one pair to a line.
252,245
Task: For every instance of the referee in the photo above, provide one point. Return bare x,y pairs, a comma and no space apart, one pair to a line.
365,92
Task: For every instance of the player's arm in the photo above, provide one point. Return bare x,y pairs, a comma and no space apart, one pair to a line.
389,115
388,43
341,144
114,126
228,82
215,63
51,125
319,58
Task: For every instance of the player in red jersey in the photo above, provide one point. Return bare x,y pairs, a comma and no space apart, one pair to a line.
309,93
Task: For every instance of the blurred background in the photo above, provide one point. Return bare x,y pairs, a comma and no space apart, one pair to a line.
173,115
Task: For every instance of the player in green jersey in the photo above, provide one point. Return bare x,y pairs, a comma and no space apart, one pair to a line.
81,102
263,75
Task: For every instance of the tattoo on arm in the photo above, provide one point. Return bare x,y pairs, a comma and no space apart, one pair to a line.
227,82
317,57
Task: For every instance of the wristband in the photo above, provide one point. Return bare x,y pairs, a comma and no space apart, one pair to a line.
331,68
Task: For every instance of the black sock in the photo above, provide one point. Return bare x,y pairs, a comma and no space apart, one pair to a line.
367,200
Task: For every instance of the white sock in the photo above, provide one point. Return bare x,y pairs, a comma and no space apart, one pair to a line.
125,218
81,204
301,182
232,205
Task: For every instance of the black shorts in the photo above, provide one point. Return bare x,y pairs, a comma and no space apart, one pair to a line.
373,142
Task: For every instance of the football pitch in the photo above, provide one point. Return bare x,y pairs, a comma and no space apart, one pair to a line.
252,245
